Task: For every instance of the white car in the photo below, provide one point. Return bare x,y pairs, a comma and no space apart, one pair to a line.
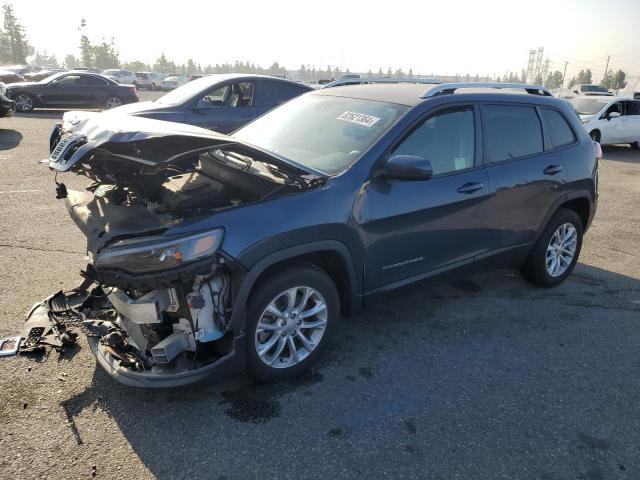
150,80
124,77
172,82
610,120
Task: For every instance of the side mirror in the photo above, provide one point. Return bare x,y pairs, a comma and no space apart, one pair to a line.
407,167
611,115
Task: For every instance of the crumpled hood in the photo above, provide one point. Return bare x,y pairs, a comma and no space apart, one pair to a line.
138,107
82,132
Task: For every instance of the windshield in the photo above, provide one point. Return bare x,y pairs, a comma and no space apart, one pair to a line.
185,92
588,106
320,131
592,88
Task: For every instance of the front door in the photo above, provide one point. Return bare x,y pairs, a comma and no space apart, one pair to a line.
412,228
613,127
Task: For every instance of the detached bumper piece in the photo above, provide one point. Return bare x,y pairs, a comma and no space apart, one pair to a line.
55,323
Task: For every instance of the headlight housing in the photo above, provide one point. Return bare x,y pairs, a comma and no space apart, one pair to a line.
152,254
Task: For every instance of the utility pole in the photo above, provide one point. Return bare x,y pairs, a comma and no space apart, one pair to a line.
606,68
564,74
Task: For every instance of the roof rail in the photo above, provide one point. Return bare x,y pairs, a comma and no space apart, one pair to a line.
448,88
366,80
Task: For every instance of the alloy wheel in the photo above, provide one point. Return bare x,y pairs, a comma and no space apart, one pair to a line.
561,249
291,327
113,102
24,103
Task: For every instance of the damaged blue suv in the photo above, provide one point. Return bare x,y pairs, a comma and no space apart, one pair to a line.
210,253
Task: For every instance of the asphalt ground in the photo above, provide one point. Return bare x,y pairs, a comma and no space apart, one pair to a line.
484,378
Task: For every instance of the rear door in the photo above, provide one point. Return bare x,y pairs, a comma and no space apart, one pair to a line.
526,171
417,227
632,121
225,108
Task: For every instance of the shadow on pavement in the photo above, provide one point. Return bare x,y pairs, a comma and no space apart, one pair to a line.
9,139
621,153
488,370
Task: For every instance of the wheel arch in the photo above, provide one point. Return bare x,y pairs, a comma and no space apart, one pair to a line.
582,206
331,256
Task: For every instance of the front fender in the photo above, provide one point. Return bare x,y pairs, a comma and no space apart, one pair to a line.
354,276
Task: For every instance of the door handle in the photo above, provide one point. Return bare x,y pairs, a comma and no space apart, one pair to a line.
552,169
470,187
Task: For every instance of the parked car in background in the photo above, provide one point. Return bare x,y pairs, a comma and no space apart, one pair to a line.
71,89
19,69
219,102
172,82
39,75
587,89
148,80
211,253
196,76
123,77
7,76
7,107
610,120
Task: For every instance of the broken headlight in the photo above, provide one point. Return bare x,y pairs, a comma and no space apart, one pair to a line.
151,254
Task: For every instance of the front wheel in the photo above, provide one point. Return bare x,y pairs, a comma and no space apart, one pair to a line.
112,102
635,145
556,252
289,319
595,135
23,102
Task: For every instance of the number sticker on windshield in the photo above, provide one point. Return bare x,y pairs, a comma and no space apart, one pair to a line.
359,118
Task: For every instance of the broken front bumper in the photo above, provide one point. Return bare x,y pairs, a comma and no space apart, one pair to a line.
54,322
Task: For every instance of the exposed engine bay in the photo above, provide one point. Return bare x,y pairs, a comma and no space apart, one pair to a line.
153,306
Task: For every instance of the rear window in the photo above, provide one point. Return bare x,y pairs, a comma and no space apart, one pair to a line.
559,130
511,132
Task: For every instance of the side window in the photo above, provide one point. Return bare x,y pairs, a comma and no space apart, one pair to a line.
616,107
446,139
91,80
633,108
511,131
234,95
69,80
276,93
559,130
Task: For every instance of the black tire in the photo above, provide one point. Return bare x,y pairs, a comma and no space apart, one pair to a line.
301,276
24,106
534,269
595,135
635,145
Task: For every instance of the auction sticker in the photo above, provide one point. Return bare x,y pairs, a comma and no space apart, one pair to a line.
359,118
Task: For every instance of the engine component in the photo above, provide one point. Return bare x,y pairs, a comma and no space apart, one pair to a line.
206,304
146,309
180,340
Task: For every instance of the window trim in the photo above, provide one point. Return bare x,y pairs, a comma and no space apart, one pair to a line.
417,123
533,106
545,128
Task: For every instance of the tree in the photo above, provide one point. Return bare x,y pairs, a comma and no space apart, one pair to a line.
584,76
105,55
15,35
71,62
380,73
45,60
86,52
615,81
135,66
538,80
410,74
163,65
553,80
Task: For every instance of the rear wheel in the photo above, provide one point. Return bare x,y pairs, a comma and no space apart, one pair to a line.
556,253
595,135
112,102
24,102
635,145
289,320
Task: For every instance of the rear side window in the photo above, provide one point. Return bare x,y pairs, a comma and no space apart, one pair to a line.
559,130
276,93
511,131
633,108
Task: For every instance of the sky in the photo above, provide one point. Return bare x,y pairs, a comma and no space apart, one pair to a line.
487,37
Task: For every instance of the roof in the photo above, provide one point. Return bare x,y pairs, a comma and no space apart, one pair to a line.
411,94
401,93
